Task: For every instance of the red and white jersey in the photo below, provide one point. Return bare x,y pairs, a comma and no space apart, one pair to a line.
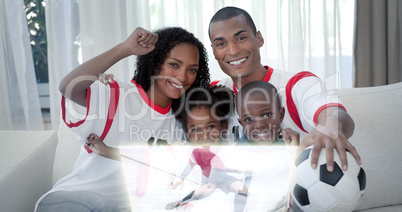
302,94
203,158
121,114
207,160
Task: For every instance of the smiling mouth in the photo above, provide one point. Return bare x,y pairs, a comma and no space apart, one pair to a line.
237,62
176,85
261,136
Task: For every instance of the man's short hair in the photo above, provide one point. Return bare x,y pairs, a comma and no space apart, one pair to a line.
230,12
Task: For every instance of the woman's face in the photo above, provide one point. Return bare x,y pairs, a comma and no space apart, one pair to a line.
178,73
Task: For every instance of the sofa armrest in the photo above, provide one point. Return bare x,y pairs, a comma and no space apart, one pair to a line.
26,167
377,138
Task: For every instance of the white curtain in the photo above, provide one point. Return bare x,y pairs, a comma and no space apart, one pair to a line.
311,35
19,101
63,36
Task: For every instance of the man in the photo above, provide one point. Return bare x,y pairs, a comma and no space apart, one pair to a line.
236,43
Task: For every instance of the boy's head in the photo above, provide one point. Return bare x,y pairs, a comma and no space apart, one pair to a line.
260,111
205,114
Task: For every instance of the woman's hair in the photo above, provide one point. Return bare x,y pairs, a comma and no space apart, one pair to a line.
150,64
219,99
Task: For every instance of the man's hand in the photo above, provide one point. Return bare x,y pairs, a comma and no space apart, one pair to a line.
334,128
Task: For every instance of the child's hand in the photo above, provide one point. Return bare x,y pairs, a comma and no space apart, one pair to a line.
290,137
141,42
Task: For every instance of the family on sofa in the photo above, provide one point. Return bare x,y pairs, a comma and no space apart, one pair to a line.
171,66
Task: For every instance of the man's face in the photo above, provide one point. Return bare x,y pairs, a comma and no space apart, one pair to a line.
235,46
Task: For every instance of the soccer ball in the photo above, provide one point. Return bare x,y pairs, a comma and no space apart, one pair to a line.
320,190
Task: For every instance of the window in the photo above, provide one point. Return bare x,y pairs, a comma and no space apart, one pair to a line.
35,13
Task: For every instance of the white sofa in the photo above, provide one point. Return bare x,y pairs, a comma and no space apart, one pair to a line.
32,161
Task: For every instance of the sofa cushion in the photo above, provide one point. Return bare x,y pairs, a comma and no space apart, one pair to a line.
377,137
392,208
25,168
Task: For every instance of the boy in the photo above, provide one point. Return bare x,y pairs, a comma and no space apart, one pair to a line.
260,114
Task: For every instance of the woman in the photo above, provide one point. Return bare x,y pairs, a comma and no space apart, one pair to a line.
169,62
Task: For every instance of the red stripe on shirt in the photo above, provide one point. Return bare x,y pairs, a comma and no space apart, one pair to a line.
266,78
113,102
149,102
268,75
317,113
235,89
289,100
63,110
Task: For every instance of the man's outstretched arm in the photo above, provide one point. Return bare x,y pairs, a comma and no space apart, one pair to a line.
334,128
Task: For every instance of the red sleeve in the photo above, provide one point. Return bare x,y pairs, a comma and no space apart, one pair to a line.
324,107
63,110
114,100
292,109
315,102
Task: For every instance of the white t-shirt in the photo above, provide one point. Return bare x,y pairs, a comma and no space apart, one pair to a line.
303,95
134,121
